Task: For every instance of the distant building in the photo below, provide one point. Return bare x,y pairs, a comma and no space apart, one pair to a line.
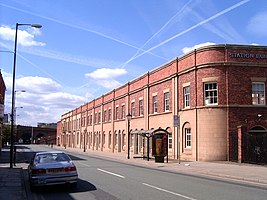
47,125
211,101
36,135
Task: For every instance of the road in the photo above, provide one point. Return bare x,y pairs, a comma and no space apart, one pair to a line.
101,179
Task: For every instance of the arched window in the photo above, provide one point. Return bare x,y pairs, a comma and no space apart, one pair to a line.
104,138
123,138
170,140
187,136
109,139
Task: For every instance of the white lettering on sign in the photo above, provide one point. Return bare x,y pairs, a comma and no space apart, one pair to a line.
247,55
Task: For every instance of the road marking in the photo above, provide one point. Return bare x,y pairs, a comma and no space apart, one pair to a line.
110,173
170,192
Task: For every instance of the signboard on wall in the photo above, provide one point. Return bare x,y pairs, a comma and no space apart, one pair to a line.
176,120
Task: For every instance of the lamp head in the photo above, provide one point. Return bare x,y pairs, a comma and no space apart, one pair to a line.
129,116
36,25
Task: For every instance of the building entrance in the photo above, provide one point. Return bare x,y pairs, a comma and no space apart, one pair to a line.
255,146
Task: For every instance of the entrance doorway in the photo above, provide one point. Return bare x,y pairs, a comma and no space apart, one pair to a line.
255,145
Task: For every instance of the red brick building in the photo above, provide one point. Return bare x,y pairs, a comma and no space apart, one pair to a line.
2,106
218,93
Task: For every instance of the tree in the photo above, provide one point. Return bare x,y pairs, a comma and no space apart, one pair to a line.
6,134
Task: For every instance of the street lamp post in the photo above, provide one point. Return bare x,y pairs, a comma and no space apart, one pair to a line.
13,89
129,117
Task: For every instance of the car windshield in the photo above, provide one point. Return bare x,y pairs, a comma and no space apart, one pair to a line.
51,158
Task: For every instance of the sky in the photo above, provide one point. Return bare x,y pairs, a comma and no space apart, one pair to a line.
87,48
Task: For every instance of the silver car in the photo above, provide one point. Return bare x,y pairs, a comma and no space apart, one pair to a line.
50,168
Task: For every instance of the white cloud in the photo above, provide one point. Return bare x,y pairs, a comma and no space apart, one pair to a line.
106,73
59,99
109,84
257,24
105,77
38,84
25,37
43,101
188,49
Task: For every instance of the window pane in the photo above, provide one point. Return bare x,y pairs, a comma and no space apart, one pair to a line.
166,101
170,141
211,93
186,96
155,104
188,137
123,111
133,109
141,108
258,93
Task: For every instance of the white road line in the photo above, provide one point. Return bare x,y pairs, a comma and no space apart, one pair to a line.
110,173
170,192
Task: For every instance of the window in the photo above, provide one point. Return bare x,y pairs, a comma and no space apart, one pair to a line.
105,116
91,119
109,139
170,141
258,93
187,137
167,101
133,109
117,112
109,114
187,97
141,107
77,139
123,111
82,121
88,120
99,117
104,139
211,93
155,104
123,139
116,139
95,120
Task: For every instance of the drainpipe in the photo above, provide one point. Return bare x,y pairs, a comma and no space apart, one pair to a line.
176,102
227,105
196,105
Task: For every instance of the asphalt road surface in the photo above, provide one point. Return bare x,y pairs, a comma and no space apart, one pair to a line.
101,179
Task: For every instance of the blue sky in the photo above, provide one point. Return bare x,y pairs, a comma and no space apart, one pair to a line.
86,48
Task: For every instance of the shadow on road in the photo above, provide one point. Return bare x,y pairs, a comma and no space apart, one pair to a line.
82,186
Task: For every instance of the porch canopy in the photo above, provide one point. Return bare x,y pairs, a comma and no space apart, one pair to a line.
148,134
142,132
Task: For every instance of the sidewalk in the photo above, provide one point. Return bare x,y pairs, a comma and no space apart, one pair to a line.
221,169
11,180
